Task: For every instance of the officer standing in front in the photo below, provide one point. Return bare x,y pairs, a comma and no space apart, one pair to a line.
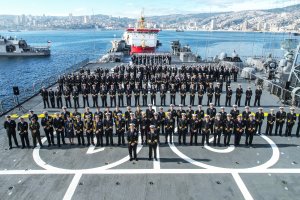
34,127
23,132
10,126
152,142
47,124
132,138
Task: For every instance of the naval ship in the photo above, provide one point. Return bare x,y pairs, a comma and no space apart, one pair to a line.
13,47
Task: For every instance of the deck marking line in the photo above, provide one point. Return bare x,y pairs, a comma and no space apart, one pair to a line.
72,187
240,183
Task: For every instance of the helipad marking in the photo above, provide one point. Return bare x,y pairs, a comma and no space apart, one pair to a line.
39,161
240,183
92,149
226,150
72,187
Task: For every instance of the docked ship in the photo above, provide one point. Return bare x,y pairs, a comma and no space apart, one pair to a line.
13,47
140,38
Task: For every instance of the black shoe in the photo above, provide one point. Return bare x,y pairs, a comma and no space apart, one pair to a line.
10,148
155,159
131,159
136,159
149,159
49,145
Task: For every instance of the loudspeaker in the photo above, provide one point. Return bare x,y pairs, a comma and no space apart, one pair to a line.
287,85
16,90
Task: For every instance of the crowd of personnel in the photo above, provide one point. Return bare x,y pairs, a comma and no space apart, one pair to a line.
150,125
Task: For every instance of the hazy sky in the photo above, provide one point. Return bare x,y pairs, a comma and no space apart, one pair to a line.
132,8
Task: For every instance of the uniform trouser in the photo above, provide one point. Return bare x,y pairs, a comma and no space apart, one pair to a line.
172,99
25,139
46,101
120,99
279,125
182,133
228,101
36,137
132,149
288,129
152,147
144,133
145,100
169,133
257,100
113,101
205,137
137,100
95,101
247,101
163,100
12,134
158,137
49,136
238,101
209,99
52,101
182,101
269,129
217,137
109,137
121,138
60,134
217,100
237,137
80,138
85,100
298,130
104,101
200,98
76,102
258,127
68,102
249,137
59,102
192,100
99,137
153,99
128,101
90,138
227,137
194,136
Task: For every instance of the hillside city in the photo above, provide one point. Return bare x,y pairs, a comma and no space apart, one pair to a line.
285,19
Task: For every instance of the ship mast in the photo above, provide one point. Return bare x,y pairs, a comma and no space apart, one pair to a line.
141,22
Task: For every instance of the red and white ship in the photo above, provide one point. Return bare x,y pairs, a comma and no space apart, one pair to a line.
141,39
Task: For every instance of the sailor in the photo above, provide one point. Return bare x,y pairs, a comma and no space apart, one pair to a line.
132,138
223,115
192,91
172,94
162,117
259,116
152,142
206,129
280,119
120,92
169,126
228,129
75,95
246,113
234,112
69,129
120,128
108,111
23,132
58,94
116,112
47,124
211,112
52,97
217,94
258,93
98,130
182,94
270,122
94,93
78,128
136,92
144,127
194,125
290,122
228,96
210,92
67,95
218,129
239,127
163,91
34,127
128,95
238,96
248,96
87,113
44,93
103,94
200,94
112,94
85,95
99,113
250,130
58,124
89,126
150,112
32,115
157,123
153,92
127,117
179,113
10,126
145,94
108,128
183,128
189,112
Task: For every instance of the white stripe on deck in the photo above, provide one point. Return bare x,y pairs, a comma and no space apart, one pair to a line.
240,183
72,187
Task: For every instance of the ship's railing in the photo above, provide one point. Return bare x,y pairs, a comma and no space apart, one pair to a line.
12,101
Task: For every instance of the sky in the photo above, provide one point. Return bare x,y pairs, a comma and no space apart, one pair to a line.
132,8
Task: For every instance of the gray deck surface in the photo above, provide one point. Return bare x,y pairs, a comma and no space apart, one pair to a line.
183,172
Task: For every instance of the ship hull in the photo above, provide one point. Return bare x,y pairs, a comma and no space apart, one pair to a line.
140,49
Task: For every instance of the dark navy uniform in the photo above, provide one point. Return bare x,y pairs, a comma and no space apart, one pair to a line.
206,130
218,129
120,130
98,130
182,130
228,129
238,131
270,123
258,93
10,127
280,119
78,128
89,129
47,123
194,125
23,132
132,138
152,142
250,131
58,124
108,128
259,116
290,122
35,132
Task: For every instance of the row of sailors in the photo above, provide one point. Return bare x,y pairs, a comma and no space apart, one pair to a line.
119,93
188,121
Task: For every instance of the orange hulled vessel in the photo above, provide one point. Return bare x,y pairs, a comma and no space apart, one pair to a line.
141,39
